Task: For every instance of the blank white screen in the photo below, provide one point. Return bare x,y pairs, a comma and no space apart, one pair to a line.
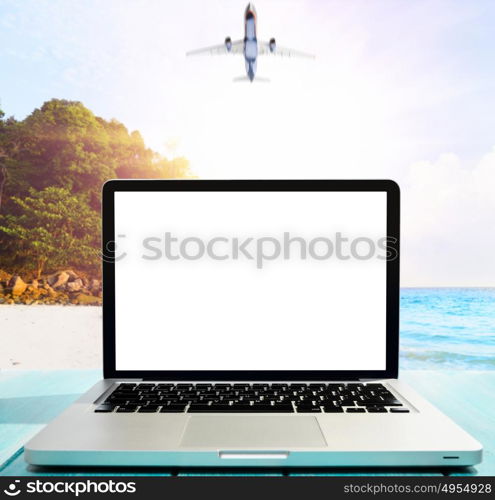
208,314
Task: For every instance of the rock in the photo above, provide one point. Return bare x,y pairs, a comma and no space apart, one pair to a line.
50,290
74,286
58,280
34,284
84,299
72,275
52,278
34,293
17,285
94,285
4,276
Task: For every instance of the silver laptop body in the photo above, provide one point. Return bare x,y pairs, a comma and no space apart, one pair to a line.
251,323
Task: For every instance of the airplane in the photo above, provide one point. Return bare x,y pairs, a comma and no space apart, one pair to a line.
250,47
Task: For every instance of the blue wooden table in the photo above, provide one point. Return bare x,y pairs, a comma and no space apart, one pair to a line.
30,399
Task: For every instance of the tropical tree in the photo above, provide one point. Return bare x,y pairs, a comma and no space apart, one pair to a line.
53,226
10,145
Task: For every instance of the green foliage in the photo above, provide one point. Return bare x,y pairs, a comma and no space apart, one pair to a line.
52,166
65,145
53,226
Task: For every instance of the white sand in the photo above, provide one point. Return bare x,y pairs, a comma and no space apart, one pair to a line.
50,337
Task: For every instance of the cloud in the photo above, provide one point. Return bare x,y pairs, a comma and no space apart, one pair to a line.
448,223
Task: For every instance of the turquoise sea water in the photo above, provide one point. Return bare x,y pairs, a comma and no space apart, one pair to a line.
448,328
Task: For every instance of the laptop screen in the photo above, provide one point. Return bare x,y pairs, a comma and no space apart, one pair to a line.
250,280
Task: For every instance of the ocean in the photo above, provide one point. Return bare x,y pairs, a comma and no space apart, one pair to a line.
451,328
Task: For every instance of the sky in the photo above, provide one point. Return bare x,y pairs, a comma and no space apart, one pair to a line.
403,89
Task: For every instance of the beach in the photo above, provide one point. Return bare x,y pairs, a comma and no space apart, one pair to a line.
50,337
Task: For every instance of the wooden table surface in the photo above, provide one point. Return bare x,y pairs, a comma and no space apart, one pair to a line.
30,399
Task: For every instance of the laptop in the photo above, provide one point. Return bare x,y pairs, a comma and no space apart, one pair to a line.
251,323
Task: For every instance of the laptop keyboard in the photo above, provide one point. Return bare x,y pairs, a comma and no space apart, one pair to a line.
251,398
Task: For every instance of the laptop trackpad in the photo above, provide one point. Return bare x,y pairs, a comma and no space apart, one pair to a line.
254,431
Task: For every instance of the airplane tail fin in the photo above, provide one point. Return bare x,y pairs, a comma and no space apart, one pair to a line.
246,79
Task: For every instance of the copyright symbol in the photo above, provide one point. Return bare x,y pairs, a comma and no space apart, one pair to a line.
111,251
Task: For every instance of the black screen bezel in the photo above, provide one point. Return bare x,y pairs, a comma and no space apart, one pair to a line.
392,277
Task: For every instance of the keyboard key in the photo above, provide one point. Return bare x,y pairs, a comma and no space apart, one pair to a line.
284,406
104,408
272,409
392,402
173,409
399,410
333,409
116,401
148,409
356,410
376,402
308,409
346,402
377,409
208,408
126,409
127,394
241,404
259,408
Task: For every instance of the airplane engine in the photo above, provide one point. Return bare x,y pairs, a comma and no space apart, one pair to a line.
228,44
272,45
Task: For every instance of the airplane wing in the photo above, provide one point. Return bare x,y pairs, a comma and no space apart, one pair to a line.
237,47
264,49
